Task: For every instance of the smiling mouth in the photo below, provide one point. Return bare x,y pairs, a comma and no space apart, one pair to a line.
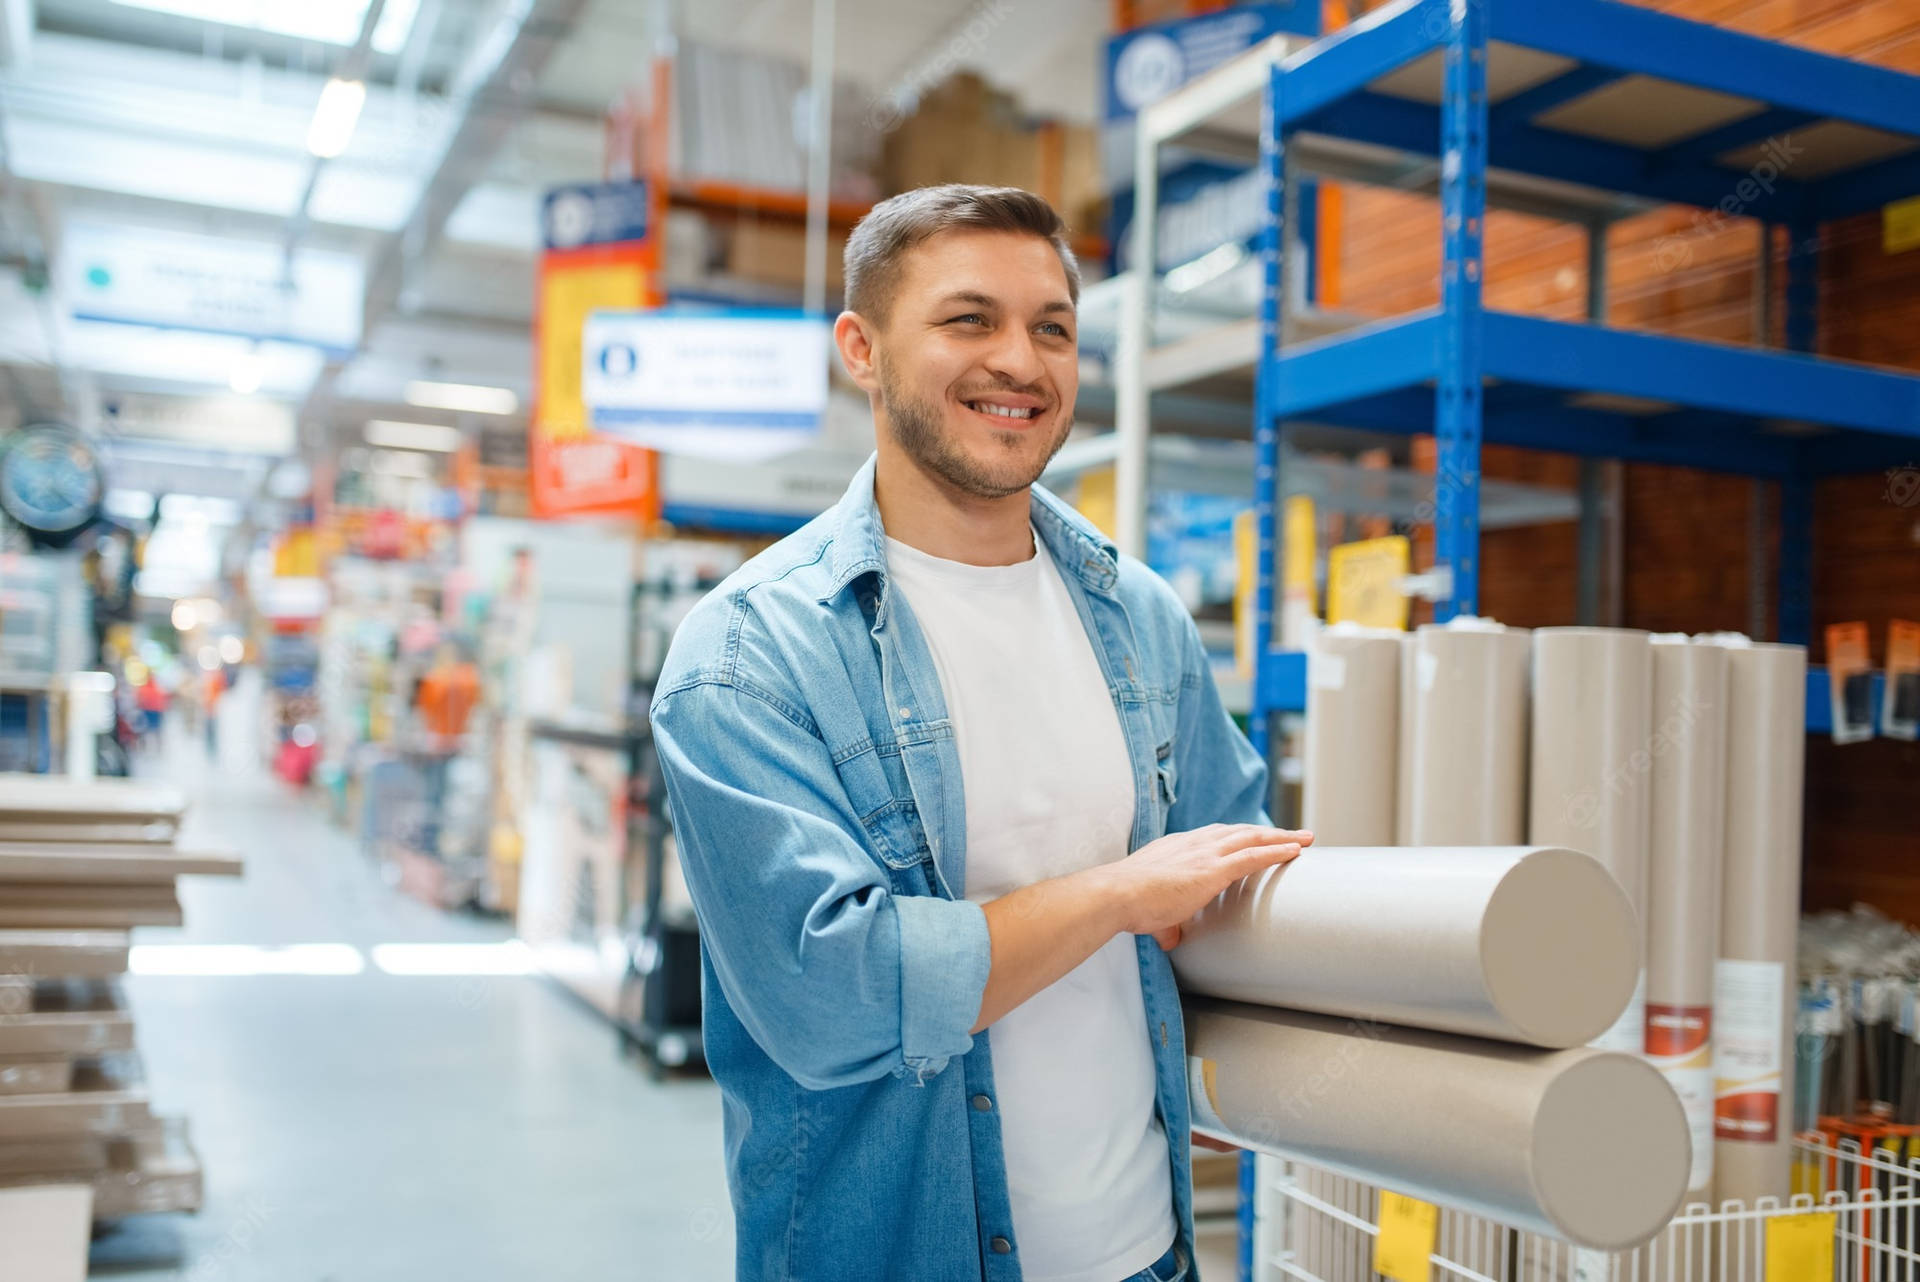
1012,414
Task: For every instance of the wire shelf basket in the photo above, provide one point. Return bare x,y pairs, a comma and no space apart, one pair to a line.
1315,1226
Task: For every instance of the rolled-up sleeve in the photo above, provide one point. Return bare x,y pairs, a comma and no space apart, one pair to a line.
837,978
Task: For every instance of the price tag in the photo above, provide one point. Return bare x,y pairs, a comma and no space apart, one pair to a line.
1800,1247
1403,1250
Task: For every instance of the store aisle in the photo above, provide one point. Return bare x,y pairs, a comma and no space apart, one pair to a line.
382,1127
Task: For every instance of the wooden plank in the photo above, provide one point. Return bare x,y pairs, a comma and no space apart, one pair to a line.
123,862
35,1074
70,1018
59,954
104,1099
57,799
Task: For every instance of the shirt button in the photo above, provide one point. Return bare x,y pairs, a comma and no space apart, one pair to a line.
982,1103
1001,1246
905,713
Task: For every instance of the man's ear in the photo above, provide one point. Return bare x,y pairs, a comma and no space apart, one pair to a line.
853,335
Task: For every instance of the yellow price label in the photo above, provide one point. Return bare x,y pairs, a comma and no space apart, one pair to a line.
1900,225
1800,1247
1363,582
1403,1250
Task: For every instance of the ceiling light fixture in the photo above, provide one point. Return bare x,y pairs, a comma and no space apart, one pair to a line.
334,119
467,398
247,373
393,434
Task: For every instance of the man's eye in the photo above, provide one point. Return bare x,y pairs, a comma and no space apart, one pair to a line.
1055,327
971,318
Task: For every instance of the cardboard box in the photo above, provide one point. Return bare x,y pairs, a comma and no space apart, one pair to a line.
776,253
151,1168
59,954
70,1018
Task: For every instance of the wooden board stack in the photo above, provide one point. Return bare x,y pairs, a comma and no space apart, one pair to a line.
80,864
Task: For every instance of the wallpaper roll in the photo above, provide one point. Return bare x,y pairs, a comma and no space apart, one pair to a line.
1463,736
1522,944
1583,1144
1754,980
1353,725
1592,758
1688,826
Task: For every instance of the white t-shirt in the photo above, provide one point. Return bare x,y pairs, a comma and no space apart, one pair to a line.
1049,791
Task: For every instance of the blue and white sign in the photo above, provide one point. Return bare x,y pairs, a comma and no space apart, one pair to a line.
178,280
742,386
594,214
1145,65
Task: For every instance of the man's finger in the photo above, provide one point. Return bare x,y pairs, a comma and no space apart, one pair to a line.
1168,939
1251,860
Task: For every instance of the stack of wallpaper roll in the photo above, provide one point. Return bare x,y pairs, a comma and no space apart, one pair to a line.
1673,762
1416,1017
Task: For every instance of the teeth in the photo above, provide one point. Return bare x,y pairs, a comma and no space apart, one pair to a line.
1003,411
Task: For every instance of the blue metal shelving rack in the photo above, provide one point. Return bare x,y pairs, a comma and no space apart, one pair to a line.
1548,91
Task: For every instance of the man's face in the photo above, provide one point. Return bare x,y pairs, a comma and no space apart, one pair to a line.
978,365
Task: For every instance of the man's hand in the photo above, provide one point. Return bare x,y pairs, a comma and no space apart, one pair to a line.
1213,1145
1040,932
1164,883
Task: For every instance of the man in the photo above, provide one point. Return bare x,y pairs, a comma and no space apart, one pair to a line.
909,749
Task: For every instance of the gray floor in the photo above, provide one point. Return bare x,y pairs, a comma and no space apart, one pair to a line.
377,1128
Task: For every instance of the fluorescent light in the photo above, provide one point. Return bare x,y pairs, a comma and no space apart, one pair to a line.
395,435
467,397
510,957
335,117
334,22
248,370
245,959
232,649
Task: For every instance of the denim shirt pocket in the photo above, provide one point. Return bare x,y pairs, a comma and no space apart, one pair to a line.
900,841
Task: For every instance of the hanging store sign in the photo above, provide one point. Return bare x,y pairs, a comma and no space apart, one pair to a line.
594,214
177,280
571,470
237,424
738,386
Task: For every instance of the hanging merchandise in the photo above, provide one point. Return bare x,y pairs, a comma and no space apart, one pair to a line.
1523,945
1753,999
1582,1144
1688,827
1591,759
1849,682
1463,735
1353,720
1900,711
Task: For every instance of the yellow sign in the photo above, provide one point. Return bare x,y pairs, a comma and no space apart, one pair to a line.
1246,555
1403,1250
1297,536
1900,225
1363,582
569,291
1097,500
1800,1247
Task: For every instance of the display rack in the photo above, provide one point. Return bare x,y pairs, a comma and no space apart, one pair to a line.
1585,111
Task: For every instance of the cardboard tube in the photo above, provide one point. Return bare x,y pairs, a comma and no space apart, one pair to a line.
1582,1144
1592,757
1688,832
1463,736
1520,944
1754,982
1353,723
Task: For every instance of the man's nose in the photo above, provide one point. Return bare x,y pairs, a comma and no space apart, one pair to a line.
1015,356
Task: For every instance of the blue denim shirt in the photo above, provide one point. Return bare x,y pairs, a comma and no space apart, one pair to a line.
816,798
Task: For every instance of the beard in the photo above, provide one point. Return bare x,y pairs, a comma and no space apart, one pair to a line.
917,427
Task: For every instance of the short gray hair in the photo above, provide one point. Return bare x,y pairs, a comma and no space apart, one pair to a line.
881,240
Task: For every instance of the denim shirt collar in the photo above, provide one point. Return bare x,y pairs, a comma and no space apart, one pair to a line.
857,541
